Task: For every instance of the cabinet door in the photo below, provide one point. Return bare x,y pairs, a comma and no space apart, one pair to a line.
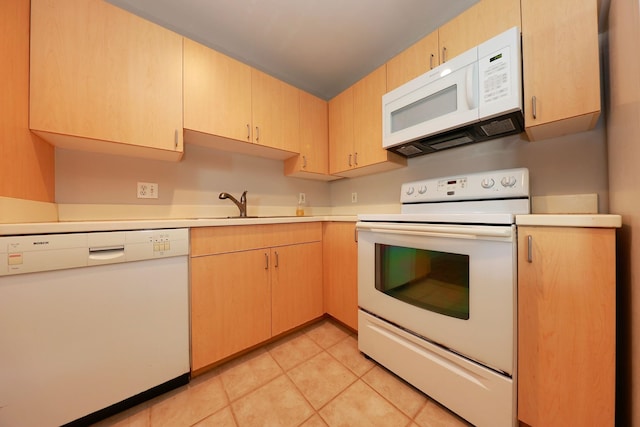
276,112
477,24
296,285
367,118
566,326
100,75
341,132
561,68
340,263
413,61
230,305
27,163
314,140
217,93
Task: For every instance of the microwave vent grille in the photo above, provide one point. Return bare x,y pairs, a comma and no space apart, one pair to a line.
498,127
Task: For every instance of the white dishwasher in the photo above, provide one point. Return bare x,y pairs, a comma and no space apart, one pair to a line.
91,323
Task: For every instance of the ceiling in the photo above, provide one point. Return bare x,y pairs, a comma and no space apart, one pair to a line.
320,46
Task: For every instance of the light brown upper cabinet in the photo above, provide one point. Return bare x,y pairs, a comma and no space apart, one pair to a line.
413,61
276,112
217,93
479,23
561,66
105,80
313,160
227,100
27,163
355,129
341,131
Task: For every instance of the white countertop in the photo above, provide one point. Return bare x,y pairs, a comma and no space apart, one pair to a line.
550,220
85,226
571,220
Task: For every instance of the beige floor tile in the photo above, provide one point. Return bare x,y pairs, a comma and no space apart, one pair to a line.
249,372
293,350
346,351
134,417
171,412
222,418
326,333
277,403
360,406
206,397
322,365
435,415
321,379
314,421
190,405
402,395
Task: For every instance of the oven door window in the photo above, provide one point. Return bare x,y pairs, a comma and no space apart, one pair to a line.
432,280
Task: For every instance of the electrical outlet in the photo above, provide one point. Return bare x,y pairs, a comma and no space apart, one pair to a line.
354,197
147,190
302,198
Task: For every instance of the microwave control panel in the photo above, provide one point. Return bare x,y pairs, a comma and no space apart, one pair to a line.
507,183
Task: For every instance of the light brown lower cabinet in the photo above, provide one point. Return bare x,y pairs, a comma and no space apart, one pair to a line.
296,285
340,256
566,326
250,283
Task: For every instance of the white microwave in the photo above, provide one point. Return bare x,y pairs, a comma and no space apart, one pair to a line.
473,97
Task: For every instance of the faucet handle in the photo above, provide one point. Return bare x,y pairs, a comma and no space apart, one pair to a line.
243,198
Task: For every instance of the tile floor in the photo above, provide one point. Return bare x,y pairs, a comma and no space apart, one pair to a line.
314,377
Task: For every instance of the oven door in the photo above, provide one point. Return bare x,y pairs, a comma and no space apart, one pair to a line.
451,284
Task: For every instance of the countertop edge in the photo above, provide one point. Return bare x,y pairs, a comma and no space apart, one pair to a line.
114,225
571,220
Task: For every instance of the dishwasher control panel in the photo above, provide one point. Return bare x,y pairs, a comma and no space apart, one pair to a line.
46,252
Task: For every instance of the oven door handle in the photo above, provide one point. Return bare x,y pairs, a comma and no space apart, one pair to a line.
460,231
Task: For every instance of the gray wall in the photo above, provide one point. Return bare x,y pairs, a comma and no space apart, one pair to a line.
574,164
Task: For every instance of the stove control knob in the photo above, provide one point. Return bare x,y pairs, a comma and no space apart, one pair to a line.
410,191
508,181
487,183
422,189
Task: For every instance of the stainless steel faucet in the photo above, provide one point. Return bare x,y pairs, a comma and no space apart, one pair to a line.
242,204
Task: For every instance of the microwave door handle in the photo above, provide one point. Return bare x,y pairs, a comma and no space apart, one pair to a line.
470,86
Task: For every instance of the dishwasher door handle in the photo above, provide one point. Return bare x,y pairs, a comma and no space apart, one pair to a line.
106,255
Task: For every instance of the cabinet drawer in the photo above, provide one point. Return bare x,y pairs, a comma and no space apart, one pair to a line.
215,240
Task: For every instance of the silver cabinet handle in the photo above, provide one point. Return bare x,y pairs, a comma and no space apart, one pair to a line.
533,107
431,61
529,248
257,134
304,162
350,160
355,159
444,54
248,132
175,138
277,260
266,261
